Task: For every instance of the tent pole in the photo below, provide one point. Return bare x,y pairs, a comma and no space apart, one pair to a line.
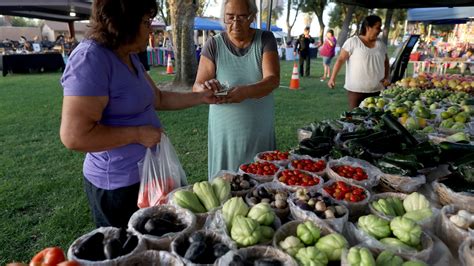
259,16
405,27
269,20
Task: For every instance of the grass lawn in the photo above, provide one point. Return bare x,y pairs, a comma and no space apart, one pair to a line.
42,202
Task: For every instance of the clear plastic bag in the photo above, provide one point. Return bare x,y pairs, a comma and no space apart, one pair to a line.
180,244
160,173
109,232
466,252
229,176
427,223
356,209
270,186
335,223
254,253
356,236
294,188
302,157
451,235
161,242
153,258
261,178
372,172
282,163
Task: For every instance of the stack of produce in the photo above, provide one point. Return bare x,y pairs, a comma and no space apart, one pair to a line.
314,202
271,193
292,179
204,196
361,256
414,206
260,171
308,247
240,184
276,157
456,224
399,233
248,227
346,193
309,165
201,247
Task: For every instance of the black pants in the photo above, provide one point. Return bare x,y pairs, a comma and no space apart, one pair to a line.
304,58
112,207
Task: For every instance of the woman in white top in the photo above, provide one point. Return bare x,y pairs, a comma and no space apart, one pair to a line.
367,67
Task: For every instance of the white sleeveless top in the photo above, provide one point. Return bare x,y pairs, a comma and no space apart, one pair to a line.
365,67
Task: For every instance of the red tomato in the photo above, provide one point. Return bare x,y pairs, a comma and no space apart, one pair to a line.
48,257
69,263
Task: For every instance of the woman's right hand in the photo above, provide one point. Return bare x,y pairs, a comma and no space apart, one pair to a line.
149,136
331,83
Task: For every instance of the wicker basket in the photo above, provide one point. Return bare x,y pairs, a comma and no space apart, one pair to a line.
402,184
447,196
466,252
448,232
153,258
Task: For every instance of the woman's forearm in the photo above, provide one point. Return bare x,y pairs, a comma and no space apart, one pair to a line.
262,88
177,101
337,67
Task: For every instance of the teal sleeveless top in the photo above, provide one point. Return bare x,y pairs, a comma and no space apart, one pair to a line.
238,131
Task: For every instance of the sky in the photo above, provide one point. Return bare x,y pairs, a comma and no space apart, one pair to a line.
214,10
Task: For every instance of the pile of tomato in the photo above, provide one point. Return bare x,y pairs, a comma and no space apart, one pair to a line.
342,191
274,155
260,168
297,178
347,171
309,165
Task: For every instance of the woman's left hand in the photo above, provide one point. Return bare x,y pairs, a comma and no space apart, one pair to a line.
385,82
236,95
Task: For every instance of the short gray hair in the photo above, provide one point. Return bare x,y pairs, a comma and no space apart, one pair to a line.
253,10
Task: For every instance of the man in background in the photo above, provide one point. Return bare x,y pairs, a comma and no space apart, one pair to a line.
302,47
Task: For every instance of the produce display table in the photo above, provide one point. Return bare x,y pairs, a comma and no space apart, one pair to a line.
26,63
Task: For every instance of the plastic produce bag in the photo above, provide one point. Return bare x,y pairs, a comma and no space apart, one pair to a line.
108,232
294,188
255,253
404,184
356,236
160,173
270,186
356,209
427,223
302,157
372,172
181,243
447,231
466,252
153,258
161,242
335,223
282,163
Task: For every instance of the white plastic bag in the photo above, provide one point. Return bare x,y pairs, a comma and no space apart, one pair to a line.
160,173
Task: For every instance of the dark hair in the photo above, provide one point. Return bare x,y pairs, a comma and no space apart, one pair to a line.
307,28
369,21
332,32
117,22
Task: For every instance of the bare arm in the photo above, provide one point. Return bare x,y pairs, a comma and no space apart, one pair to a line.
387,68
81,131
167,100
340,61
270,81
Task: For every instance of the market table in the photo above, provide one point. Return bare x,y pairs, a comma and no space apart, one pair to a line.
25,63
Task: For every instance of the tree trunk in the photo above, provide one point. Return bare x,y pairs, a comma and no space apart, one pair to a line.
319,15
345,25
289,24
386,27
182,19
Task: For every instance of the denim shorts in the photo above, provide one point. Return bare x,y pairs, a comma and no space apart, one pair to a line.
327,60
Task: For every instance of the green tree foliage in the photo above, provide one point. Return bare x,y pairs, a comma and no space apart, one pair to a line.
23,22
316,7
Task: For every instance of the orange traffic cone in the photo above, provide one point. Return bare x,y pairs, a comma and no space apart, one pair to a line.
295,78
169,66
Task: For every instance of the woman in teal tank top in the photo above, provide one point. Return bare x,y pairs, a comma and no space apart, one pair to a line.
246,60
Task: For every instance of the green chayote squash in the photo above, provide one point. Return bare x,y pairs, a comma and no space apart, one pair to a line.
311,256
406,230
360,257
387,258
415,201
233,207
419,215
262,213
332,245
374,226
308,233
291,245
245,231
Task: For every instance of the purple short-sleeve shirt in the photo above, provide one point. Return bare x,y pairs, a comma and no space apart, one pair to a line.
93,70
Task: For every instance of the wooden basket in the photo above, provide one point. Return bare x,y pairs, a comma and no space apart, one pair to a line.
400,184
447,196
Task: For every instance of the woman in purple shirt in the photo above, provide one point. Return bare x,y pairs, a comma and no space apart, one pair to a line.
109,106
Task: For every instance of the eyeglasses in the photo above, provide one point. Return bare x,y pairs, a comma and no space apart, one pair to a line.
230,18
